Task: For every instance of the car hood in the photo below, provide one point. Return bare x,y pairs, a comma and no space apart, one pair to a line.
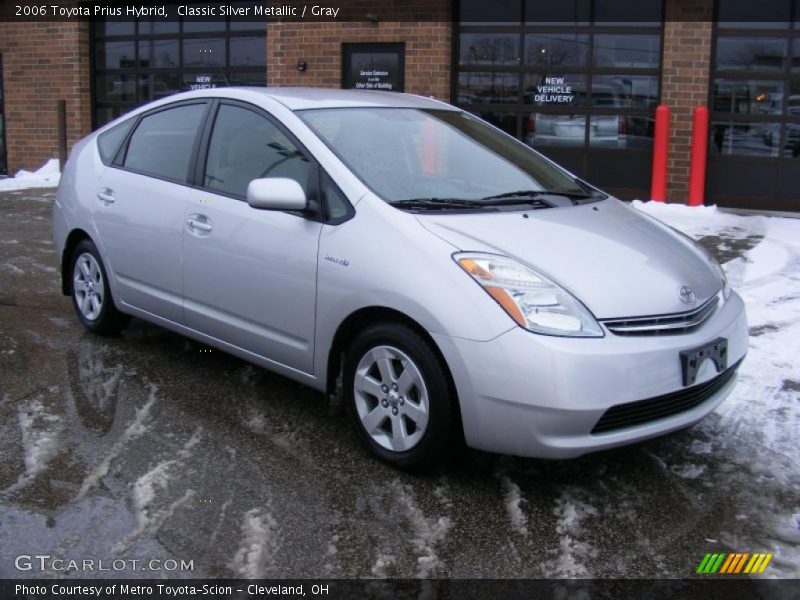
615,260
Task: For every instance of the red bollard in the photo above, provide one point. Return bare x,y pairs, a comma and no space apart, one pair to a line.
658,186
697,168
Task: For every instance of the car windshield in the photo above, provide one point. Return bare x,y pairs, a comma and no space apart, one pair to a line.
439,156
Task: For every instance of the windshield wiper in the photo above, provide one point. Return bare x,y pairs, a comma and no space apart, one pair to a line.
437,203
537,194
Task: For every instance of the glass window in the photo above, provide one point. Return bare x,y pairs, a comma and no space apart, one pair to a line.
156,27
498,12
750,139
109,142
248,51
115,88
551,50
488,88
246,146
748,96
746,13
115,55
336,204
112,28
472,160
796,54
204,52
490,49
557,13
750,53
625,91
163,142
159,54
616,50
153,86
555,90
543,129
621,131
625,12
248,78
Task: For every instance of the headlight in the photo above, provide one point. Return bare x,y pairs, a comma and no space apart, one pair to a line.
531,299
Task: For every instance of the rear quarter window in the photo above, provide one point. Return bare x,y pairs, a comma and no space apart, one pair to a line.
108,143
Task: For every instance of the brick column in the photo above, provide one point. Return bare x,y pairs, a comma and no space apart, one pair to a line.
684,81
43,63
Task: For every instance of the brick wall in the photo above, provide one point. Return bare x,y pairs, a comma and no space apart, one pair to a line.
427,52
43,63
684,82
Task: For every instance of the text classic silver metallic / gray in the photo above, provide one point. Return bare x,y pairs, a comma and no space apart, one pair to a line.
441,276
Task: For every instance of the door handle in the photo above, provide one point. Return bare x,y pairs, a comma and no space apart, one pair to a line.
106,196
198,223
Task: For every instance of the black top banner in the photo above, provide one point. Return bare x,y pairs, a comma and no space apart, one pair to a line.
773,13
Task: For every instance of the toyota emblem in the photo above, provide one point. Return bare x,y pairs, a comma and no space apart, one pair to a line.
686,294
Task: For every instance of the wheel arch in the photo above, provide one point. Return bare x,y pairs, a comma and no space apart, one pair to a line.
75,237
363,318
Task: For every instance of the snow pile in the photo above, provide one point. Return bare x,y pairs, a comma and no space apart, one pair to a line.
41,431
47,176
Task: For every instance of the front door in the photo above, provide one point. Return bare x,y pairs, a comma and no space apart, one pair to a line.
249,275
139,207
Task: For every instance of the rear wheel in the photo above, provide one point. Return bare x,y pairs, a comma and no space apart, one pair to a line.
91,295
399,397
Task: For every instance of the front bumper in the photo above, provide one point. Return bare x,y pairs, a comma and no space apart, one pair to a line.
541,396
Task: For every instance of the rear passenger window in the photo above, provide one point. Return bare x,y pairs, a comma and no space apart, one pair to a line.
162,143
109,142
246,146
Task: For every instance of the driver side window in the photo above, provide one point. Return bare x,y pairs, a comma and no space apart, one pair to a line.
245,146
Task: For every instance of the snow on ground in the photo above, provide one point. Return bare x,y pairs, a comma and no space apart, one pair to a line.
260,542
48,175
757,426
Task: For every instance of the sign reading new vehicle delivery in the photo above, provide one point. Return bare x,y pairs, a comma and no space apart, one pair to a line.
553,90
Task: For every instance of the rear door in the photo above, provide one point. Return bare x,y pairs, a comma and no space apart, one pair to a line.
139,208
250,276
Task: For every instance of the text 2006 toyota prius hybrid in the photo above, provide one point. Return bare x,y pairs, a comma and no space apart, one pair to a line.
437,274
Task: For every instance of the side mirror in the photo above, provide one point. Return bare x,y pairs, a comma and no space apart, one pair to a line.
276,193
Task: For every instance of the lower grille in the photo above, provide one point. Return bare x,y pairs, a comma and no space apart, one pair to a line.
644,411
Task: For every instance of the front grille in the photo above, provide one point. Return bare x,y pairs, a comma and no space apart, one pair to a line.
684,322
644,411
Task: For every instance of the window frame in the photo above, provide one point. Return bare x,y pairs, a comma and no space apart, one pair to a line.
317,210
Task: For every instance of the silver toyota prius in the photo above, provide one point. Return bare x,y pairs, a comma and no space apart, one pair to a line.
434,274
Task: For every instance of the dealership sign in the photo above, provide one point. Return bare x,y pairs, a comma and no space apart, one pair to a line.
554,90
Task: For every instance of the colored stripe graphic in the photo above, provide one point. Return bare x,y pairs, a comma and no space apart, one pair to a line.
736,562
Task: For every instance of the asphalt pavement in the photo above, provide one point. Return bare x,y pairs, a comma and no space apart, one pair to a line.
150,446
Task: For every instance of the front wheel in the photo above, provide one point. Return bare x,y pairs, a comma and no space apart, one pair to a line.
91,294
399,396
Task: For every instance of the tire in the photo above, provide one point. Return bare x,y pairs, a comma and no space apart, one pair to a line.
90,292
410,424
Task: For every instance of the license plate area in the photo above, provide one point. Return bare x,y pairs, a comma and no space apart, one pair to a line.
716,350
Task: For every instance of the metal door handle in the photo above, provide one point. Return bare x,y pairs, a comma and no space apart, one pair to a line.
106,195
199,225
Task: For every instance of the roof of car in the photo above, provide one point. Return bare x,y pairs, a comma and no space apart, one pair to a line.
302,98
